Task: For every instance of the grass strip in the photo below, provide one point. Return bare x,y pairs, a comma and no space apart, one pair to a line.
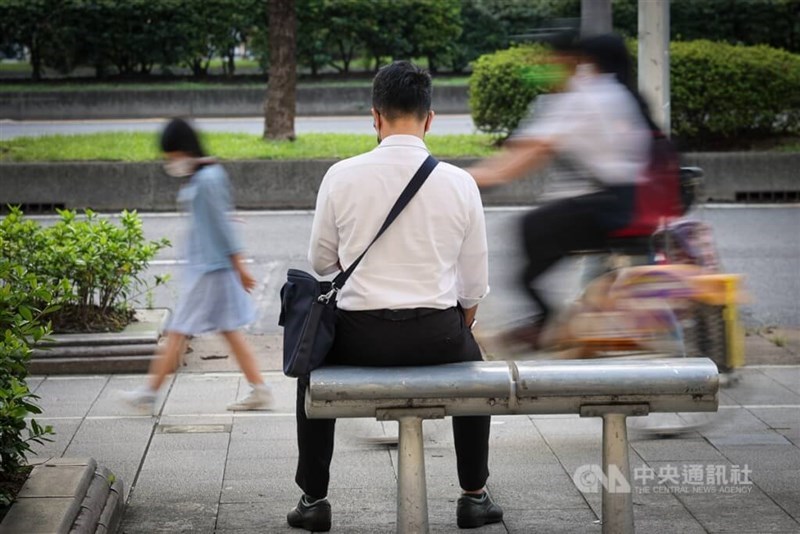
142,146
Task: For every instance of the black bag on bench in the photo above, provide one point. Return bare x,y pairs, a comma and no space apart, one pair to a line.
308,306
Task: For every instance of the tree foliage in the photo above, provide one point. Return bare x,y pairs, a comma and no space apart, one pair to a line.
134,37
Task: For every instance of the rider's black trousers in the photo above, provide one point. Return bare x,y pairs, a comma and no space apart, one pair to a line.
554,230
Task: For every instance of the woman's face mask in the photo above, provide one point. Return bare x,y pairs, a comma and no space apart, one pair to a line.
180,168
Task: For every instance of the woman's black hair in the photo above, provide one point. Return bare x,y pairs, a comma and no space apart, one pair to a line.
610,55
179,136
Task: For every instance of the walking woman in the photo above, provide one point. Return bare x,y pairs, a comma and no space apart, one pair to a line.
213,296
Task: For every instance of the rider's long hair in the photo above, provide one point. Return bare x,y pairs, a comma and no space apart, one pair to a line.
609,54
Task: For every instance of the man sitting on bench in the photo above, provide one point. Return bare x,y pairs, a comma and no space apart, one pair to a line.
410,301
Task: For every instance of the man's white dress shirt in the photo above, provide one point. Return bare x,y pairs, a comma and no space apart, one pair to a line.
432,256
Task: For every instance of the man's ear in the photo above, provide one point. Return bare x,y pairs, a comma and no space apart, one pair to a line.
376,119
429,120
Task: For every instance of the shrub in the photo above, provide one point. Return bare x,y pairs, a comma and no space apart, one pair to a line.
24,301
97,265
726,95
722,96
499,94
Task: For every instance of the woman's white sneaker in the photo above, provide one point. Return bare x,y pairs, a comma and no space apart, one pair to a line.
259,398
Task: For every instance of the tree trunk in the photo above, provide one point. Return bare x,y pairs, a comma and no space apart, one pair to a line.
36,60
279,106
231,62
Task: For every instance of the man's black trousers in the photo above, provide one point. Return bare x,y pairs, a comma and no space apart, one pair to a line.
386,339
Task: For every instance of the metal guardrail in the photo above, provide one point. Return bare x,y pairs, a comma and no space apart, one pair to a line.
612,390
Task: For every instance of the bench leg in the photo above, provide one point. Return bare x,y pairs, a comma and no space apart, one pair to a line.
617,496
412,495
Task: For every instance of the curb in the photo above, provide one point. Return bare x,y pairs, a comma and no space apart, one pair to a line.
67,495
128,351
293,184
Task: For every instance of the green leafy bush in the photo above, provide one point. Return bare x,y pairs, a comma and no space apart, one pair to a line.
722,96
728,96
499,94
24,301
97,265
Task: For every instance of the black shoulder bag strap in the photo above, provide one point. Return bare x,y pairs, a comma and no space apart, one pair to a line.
405,197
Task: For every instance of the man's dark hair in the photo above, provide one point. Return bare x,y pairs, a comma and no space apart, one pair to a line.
402,89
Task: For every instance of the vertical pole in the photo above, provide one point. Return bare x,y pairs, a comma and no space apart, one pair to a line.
412,495
617,497
653,64
595,17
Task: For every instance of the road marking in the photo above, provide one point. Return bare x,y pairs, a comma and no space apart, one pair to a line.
183,262
759,406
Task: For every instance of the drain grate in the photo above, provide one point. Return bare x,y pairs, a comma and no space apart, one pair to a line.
194,429
768,196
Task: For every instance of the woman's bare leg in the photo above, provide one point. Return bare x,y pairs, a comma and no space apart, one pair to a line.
244,356
168,359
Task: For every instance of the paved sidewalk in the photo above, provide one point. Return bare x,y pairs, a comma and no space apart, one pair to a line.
194,467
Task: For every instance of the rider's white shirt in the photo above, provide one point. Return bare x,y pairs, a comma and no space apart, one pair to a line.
432,256
597,124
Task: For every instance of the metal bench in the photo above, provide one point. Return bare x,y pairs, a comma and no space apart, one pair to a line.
609,389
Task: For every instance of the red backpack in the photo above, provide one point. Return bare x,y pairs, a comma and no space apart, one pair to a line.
658,191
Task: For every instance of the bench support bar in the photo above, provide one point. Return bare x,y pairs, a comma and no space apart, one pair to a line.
412,493
617,497
617,491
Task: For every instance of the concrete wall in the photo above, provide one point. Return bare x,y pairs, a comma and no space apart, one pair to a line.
294,184
221,102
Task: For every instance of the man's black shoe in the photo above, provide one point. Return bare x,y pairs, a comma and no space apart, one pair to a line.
476,511
315,517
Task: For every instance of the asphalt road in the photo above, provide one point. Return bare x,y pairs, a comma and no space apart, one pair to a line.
443,124
763,243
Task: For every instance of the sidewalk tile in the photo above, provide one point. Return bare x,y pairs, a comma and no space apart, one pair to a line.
782,486
732,421
111,400
764,457
552,521
118,444
173,444
255,516
260,489
264,429
739,513
201,394
167,517
659,450
64,429
757,388
69,396
778,417
787,376
34,382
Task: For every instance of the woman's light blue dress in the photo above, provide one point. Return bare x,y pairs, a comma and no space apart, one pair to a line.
211,298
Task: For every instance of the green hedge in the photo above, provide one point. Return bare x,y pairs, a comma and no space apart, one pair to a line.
722,96
499,93
730,95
